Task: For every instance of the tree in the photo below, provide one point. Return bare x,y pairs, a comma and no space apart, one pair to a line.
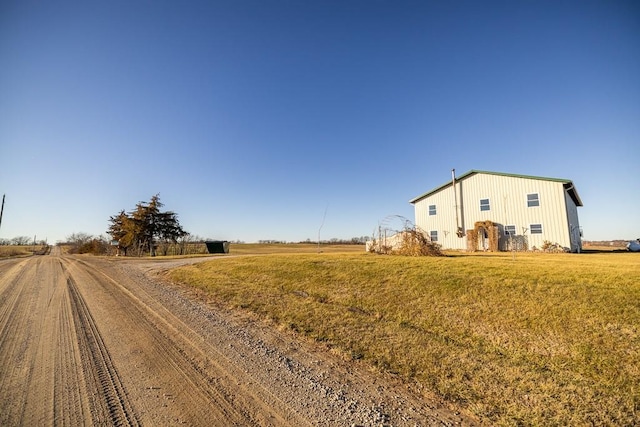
21,241
122,230
144,226
79,239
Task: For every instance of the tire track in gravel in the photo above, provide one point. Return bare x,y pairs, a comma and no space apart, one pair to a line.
10,291
208,390
72,404
14,308
37,387
54,367
112,405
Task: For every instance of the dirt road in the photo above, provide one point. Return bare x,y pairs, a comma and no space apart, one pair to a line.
96,341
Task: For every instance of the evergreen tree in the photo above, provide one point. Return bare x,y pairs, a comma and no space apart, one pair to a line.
142,227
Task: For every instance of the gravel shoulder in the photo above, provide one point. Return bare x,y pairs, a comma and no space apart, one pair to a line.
89,341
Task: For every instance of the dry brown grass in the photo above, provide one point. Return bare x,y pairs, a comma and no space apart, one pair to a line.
542,339
12,251
291,248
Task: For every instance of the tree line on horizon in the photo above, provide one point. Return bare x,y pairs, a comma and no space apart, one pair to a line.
22,241
360,240
145,230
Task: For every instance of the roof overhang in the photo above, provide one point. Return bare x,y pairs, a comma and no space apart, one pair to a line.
573,193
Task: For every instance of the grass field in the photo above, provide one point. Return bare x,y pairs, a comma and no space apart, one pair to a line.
14,250
291,248
535,339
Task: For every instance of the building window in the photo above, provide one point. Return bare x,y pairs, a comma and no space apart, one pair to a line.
433,234
510,230
536,228
484,205
432,209
533,200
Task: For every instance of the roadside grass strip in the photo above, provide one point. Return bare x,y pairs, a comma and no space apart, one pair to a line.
15,251
535,339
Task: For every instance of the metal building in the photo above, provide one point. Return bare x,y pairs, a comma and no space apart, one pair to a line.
521,212
217,246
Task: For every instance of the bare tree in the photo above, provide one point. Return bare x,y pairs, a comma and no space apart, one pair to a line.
21,241
79,239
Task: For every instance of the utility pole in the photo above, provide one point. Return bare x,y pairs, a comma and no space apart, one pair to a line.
2,210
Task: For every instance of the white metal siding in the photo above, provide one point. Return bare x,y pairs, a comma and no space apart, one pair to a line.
508,206
444,222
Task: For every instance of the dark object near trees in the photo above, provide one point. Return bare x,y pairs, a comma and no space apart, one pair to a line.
217,246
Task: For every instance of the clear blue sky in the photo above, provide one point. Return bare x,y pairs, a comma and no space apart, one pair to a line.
251,118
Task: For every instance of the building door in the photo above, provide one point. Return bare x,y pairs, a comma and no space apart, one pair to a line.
483,239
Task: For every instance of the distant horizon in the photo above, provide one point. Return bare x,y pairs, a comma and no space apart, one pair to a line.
274,240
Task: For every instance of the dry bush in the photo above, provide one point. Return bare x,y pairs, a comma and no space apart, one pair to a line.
416,243
94,246
548,246
410,241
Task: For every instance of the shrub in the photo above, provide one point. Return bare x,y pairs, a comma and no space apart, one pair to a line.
416,243
93,246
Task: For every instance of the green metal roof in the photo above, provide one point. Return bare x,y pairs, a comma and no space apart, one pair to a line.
568,184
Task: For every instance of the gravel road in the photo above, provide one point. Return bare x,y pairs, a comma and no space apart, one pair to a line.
106,341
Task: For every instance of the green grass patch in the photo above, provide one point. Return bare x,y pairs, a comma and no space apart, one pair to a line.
537,340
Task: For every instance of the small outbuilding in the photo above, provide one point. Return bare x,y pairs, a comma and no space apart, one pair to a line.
217,246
